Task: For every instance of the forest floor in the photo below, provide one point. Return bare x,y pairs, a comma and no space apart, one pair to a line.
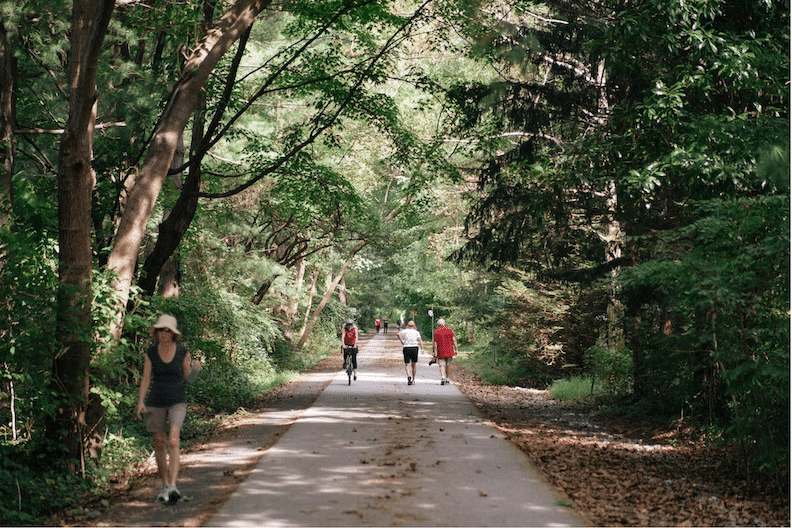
617,472
628,472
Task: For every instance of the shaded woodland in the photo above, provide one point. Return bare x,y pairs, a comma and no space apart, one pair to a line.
595,190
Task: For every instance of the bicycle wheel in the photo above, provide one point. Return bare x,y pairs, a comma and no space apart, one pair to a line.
348,364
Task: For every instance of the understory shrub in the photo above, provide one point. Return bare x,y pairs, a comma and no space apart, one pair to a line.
507,370
611,369
713,329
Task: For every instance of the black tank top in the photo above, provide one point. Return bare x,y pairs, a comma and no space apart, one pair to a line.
167,379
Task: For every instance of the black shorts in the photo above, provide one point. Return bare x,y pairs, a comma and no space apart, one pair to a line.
410,354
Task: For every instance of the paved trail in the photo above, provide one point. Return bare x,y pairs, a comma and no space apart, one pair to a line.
382,453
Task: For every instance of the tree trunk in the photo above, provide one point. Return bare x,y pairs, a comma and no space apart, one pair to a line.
159,268
262,291
342,292
7,123
613,238
328,294
298,284
169,279
75,186
172,230
183,101
161,264
311,295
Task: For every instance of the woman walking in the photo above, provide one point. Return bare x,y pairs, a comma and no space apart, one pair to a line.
167,369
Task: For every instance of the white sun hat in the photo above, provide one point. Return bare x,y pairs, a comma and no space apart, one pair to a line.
169,322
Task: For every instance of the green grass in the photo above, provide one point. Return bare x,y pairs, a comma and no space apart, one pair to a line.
486,369
574,388
509,371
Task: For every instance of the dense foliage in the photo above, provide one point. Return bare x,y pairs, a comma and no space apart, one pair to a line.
664,171
597,190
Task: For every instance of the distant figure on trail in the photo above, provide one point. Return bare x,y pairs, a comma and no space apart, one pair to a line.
349,349
384,325
166,369
411,342
444,348
377,324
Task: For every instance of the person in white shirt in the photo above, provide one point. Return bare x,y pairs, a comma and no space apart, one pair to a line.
411,342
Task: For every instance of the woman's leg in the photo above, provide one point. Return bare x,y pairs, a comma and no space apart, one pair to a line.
174,440
161,455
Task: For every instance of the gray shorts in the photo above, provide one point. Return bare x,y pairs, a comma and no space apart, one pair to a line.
161,419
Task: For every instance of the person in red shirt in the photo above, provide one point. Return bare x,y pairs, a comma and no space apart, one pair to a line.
377,324
444,348
349,347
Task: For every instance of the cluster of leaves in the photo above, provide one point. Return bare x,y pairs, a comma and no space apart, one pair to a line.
721,296
528,327
662,142
34,486
612,369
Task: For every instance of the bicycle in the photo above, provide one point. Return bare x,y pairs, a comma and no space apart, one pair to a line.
348,364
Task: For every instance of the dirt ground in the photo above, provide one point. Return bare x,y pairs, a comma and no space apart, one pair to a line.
616,473
629,473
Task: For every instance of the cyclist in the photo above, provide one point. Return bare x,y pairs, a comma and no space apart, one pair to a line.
349,347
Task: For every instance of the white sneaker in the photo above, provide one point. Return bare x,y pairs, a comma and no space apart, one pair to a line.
164,494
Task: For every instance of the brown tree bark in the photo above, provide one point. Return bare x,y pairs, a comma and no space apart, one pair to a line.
160,264
7,122
183,101
262,291
76,181
328,294
171,230
332,286
342,291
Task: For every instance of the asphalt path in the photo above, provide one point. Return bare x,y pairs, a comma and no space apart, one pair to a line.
381,453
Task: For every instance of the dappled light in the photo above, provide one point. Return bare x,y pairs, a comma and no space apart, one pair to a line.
587,201
380,452
622,471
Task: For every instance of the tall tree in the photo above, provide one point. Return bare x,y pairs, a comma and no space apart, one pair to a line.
178,219
181,105
7,121
697,96
75,186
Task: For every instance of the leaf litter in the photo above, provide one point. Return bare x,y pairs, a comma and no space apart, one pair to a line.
622,471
